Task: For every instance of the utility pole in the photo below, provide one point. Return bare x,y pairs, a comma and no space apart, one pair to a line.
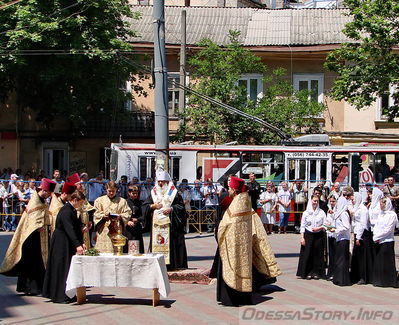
161,88
182,91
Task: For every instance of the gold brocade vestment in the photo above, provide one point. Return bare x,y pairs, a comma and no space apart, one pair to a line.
36,216
242,244
83,215
55,206
104,206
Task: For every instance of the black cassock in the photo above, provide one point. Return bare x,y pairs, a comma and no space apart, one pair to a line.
178,252
66,238
136,232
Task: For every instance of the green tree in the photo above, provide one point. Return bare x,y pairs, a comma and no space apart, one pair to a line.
216,72
60,57
367,65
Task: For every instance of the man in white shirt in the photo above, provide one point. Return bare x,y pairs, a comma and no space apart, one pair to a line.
211,195
284,198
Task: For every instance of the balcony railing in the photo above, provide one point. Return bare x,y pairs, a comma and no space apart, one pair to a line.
126,124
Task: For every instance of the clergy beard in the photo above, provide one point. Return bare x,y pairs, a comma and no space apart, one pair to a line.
163,189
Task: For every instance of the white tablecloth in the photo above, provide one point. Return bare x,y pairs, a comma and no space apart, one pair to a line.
147,271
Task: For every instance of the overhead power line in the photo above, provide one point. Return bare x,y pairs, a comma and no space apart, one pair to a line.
213,101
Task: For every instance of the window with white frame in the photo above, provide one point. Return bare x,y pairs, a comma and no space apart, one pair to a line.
383,104
173,92
128,90
253,83
313,82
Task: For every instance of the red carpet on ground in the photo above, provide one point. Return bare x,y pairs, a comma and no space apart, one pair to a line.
199,276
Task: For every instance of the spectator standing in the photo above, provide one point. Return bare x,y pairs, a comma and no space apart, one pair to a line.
122,187
57,176
3,201
84,178
184,191
145,189
96,188
197,196
253,191
392,192
211,195
284,198
268,199
299,193
10,223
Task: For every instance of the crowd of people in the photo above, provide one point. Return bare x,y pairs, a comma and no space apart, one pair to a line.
59,221
326,229
66,216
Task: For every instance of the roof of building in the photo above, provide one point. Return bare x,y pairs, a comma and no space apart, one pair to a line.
258,27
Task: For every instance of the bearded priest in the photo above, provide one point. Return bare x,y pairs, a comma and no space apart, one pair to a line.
247,260
165,217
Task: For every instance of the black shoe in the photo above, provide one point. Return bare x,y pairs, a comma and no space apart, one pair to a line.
316,277
361,282
330,278
309,277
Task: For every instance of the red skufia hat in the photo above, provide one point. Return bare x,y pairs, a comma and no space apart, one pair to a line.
74,178
237,184
47,185
68,188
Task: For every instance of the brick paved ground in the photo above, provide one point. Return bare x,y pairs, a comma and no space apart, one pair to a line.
195,304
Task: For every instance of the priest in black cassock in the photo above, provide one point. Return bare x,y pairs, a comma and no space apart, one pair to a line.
67,240
165,217
134,226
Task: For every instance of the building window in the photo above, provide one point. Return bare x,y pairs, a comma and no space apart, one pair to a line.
253,84
128,90
173,93
384,103
313,82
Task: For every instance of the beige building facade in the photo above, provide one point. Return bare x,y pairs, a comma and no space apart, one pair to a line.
297,40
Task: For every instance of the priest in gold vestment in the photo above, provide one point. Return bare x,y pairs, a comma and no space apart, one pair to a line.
109,209
245,253
58,200
85,211
26,257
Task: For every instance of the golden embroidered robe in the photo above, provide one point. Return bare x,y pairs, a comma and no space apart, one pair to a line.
242,243
55,206
35,217
83,215
104,205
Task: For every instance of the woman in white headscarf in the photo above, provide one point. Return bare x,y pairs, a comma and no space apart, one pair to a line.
330,222
311,258
384,270
374,209
361,266
342,236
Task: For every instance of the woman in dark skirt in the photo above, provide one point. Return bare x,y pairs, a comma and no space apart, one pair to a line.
330,221
311,258
341,275
384,270
361,266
